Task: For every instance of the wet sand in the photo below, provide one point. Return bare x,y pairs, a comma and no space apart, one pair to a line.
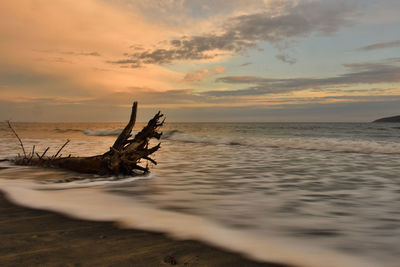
39,238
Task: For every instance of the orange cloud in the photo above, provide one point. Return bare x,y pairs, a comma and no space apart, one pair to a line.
199,75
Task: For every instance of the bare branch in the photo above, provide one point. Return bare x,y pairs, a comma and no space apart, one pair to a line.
33,153
55,156
44,153
150,159
19,139
125,134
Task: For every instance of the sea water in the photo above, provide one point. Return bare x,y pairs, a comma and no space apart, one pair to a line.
307,194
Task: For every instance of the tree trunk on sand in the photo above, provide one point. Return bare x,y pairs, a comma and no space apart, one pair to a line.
122,159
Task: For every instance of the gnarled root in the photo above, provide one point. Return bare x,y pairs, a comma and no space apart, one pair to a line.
123,158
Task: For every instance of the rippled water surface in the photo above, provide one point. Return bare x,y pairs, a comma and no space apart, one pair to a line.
298,188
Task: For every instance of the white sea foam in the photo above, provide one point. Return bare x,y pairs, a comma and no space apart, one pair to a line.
102,132
92,182
92,204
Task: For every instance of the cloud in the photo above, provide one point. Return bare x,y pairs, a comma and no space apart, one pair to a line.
131,63
24,82
196,75
220,70
381,45
297,19
188,12
239,33
245,64
193,48
147,96
362,73
39,38
286,58
93,53
199,75
116,106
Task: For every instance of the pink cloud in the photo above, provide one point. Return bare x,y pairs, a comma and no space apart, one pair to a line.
199,75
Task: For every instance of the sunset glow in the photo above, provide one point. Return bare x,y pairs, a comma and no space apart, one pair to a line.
278,60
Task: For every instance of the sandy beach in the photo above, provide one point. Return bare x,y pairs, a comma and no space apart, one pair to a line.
40,238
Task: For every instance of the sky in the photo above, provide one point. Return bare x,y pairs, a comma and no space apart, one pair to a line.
200,60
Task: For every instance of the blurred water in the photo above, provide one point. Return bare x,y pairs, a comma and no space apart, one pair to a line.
325,186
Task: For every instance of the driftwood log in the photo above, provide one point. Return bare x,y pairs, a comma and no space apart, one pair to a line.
123,158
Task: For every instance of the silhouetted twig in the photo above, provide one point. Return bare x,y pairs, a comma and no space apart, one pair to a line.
19,139
55,156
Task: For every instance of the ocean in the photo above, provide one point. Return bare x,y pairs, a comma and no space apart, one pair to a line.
307,194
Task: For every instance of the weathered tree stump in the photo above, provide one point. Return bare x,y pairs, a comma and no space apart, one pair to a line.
123,158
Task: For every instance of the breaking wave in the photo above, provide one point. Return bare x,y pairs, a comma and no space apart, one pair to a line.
304,143
72,199
102,132
116,132
58,130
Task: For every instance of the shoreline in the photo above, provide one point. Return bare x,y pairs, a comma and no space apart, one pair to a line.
36,237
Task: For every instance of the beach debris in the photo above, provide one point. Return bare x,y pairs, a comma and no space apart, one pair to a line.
16,135
170,260
123,158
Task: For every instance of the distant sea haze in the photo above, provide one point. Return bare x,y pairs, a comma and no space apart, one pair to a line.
314,194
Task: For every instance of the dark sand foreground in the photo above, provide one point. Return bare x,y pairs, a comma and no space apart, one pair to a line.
39,238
